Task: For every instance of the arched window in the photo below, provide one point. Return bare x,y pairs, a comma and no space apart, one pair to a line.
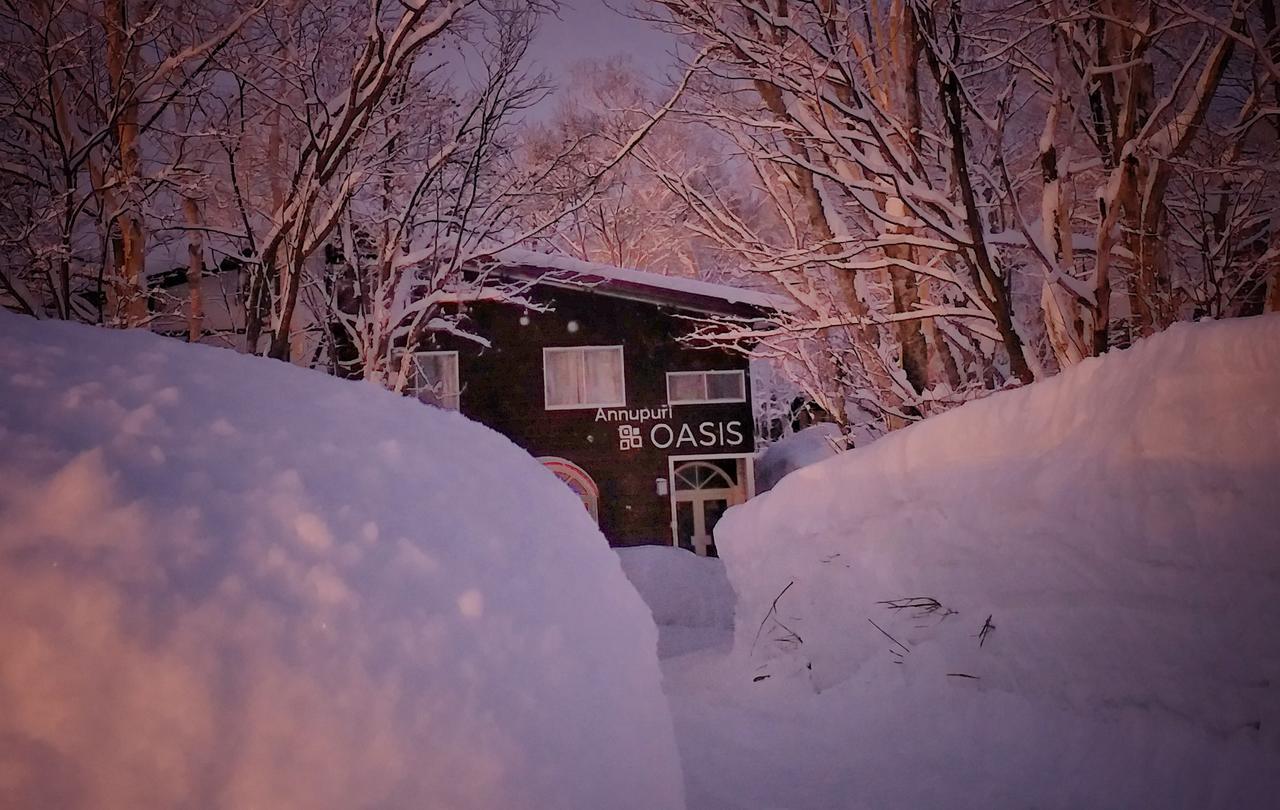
578,481
702,475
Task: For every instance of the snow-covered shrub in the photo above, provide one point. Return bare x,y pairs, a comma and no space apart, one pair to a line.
230,583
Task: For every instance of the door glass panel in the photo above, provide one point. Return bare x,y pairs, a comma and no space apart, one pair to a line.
715,508
684,524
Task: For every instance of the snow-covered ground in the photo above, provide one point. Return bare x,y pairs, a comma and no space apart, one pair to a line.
690,597
226,582
230,583
1116,530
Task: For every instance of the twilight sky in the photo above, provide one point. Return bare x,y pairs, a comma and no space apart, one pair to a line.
592,29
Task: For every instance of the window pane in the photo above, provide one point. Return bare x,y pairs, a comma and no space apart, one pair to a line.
686,387
604,377
437,379
564,380
725,385
588,377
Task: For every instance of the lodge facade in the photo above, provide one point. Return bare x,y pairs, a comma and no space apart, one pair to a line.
655,437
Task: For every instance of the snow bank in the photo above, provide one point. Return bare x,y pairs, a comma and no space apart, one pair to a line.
689,596
1115,530
795,452
680,587
227,582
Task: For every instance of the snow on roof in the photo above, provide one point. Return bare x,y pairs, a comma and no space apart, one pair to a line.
689,293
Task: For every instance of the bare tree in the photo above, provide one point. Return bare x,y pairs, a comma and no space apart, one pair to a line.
84,86
443,190
953,184
633,220
447,182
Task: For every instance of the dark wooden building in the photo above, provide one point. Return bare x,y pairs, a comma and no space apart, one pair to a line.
655,437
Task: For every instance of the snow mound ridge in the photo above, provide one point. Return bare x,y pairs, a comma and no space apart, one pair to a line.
1104,541
226,582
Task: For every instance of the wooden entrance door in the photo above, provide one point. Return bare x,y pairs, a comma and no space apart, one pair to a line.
703,490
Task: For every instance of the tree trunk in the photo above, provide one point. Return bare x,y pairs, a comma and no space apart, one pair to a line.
257,302
991,288
1120,107
290,283
121,63
865,332
195,270
1150,294
940,354
906,293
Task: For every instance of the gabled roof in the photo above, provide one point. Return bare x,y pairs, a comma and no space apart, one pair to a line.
681,293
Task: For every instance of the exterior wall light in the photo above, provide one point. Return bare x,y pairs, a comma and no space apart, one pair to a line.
660,484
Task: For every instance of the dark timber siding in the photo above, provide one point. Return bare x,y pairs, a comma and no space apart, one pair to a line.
502,387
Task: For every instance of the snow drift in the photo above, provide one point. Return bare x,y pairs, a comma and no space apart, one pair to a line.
227,582
680,588
689,596
1104,544
795,452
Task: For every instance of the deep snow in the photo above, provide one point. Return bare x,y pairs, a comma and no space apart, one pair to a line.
795,452
1120,527
1118,524
228,582
690,597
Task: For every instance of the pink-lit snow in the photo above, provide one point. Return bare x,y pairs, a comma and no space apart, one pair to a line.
230,583
594,271
227,582
1117,531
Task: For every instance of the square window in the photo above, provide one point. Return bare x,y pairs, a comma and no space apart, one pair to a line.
703,387
583,377
433,378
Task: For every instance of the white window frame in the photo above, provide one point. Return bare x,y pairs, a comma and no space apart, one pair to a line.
742,378
622,366
456,381
748,460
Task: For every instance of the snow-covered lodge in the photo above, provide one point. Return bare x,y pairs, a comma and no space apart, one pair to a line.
655,436
591,377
